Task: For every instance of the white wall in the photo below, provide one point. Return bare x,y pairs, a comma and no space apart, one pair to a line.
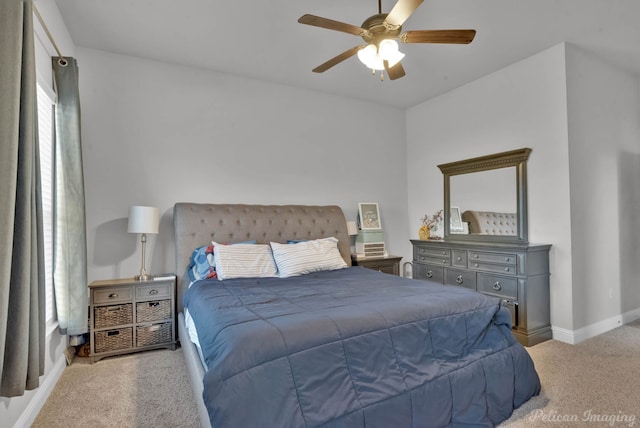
156,134
20,411
523,105
604,159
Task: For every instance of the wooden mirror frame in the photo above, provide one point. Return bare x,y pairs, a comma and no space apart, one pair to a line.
515,158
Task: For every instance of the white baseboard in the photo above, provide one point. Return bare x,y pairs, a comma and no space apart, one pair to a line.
576,336
41,394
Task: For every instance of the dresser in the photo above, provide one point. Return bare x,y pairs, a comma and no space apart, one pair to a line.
516,274
127,316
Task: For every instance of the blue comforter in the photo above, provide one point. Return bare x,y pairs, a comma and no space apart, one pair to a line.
356,348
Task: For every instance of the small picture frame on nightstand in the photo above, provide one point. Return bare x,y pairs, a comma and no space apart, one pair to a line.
369,216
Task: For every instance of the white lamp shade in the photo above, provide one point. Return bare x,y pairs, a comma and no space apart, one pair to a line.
143,219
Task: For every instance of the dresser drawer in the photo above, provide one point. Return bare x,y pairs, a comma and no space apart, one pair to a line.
113,340
494,268
463,278
499,286
112,315
154,291
428,272
432,252
153,310
442,258
486,257
459,258
112,295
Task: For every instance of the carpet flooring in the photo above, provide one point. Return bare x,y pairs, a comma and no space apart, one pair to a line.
147,389
595,383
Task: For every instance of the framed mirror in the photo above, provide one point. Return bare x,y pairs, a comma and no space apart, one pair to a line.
489,195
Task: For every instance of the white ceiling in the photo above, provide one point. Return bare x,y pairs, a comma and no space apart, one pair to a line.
262,39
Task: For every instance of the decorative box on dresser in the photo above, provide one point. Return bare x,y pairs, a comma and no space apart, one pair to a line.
126,315
388,264
518,274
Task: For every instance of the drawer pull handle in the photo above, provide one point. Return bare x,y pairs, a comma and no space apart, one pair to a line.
113,333
444,262
459,259
506,269
507,259
113,295
421,258
475,256
153,291
154,304
429,274
444,253
476,265
497,286
459,279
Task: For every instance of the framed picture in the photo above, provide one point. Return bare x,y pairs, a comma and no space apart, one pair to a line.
455,220
369,216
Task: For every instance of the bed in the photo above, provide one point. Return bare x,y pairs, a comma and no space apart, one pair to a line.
346,347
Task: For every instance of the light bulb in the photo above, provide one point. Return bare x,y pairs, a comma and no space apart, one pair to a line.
367,54
396,58
389,52
388,49
369,57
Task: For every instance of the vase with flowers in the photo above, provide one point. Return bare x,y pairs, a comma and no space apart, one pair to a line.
429,224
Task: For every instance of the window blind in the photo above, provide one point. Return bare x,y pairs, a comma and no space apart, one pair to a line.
45,137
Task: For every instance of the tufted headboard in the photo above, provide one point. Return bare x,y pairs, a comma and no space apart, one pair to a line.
491,223
196,225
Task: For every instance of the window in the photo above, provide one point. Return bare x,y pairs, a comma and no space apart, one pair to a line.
45,135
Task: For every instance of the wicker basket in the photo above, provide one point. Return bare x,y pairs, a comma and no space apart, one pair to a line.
153,334
112,340
111,316
156,310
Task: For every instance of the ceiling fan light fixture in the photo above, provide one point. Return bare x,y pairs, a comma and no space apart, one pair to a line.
381,32
388,51
369,57
374,56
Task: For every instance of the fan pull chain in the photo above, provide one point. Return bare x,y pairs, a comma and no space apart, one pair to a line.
373,73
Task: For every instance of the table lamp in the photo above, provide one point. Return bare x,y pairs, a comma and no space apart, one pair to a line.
143,220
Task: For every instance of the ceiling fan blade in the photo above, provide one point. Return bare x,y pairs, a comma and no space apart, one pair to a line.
401,11
438,36
330,24
395,72
337,59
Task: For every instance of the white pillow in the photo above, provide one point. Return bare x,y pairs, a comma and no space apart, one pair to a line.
307,256
244,261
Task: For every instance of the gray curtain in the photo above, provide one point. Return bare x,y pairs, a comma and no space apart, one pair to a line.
22,308
70,243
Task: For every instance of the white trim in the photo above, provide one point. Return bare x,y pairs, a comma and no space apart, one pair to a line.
52,325
41,394
576,336
563,335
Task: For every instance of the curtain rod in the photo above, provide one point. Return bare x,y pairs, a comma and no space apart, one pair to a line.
61,60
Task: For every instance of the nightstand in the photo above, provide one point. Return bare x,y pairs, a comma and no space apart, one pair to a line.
389,264
127,316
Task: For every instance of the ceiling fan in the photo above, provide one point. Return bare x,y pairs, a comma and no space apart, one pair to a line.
380,33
